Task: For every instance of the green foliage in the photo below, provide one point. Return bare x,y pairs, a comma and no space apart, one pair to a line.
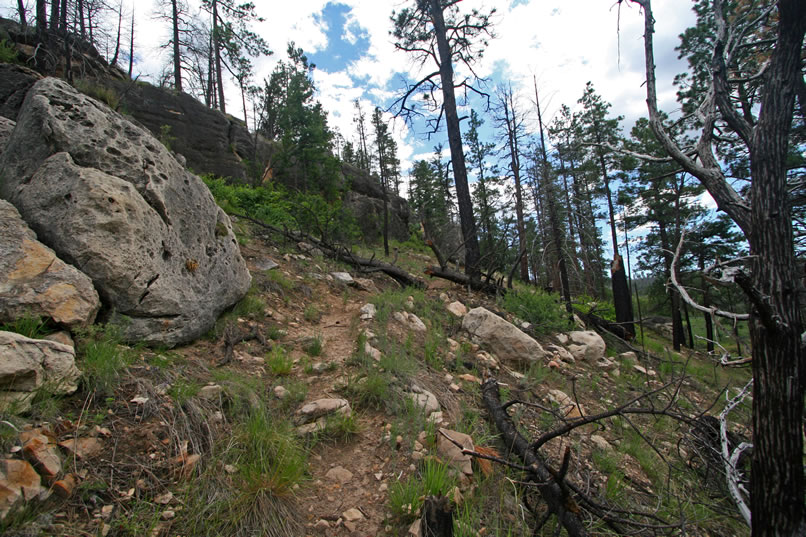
290,114
28,326
311,313
372,390
278,362
313,346
108,96
166,138
274,204
102,358
266,461
8,54
542,310
433,479
182,390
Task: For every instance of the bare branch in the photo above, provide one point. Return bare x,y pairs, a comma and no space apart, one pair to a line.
687,298
730,460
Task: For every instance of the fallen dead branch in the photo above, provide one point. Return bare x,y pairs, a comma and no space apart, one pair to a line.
341,253
548,483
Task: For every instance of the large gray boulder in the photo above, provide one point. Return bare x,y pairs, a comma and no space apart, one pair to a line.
33,281
111,200
501,337
584,345
30,365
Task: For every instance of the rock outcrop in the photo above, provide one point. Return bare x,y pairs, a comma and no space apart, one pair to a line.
111,200
364,198
33,281
501,337
6,128
29,365
15,81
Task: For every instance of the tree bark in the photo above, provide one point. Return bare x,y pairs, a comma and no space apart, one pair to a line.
472,253
437,519
217,55
21,11
41,17
177,57
777,485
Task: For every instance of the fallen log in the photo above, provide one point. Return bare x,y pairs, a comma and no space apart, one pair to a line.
342,254
547,482
463,279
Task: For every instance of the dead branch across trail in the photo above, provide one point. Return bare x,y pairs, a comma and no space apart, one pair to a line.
551,488
343,254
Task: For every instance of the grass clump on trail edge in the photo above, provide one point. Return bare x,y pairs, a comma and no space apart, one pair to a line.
248,489
406,497
102,359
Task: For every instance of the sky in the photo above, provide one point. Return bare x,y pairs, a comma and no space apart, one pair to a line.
561,44
564,44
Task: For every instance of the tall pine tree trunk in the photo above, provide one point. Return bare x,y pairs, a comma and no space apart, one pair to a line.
217,56
21,11
471,242
177,56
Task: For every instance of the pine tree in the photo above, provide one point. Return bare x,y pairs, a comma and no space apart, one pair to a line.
436,30
603,132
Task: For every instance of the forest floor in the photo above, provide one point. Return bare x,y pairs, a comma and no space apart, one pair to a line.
199,441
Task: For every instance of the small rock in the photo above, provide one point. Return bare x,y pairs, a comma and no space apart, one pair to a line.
168,514
467,377
321,524
44,456
62,337
554,365
454,387
410,302
365,284
280,392
451,453
368,312
139,400
17,478
342,278
339,474
164,499
64,487
372,352
265,264
349,526
457,308
600,443
316,409
212,392
435,417
83,448
353,514
424,399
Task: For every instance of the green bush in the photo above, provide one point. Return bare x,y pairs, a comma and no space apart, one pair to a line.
542,310
8,54
309,212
